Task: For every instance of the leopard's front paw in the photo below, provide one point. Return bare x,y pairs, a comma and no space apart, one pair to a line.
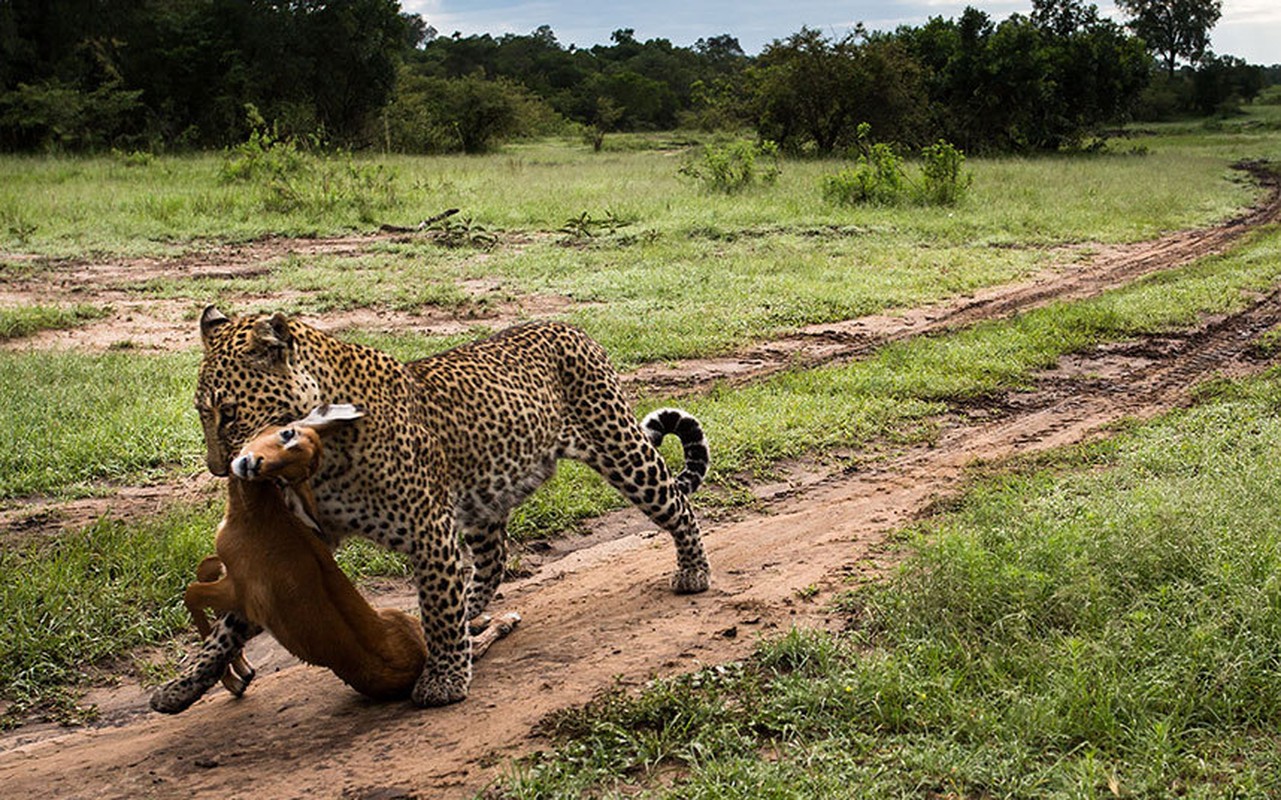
436,689
238,675
691,581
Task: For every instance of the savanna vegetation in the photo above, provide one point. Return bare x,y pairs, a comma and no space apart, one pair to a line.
1104,622
1100,621
674,271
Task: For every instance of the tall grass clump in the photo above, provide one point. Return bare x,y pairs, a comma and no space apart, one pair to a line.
295,177
73,419
944,180
1104,623
733,167
879,177
16,323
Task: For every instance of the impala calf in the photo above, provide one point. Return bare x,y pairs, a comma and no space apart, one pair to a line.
274,570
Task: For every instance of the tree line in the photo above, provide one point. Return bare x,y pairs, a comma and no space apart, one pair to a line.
175,74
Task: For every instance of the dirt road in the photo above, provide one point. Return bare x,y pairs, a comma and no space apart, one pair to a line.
601,613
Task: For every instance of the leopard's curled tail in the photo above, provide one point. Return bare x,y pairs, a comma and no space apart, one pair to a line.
659,423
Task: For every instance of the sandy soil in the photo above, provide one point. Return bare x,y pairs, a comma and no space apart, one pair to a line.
597,610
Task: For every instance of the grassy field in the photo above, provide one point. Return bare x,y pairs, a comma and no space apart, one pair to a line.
69,206
952,684
16,323
718,273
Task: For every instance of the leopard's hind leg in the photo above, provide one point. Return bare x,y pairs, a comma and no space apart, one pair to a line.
630,462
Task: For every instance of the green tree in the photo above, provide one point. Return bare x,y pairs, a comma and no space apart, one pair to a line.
1222,83
811,91
100,72
469,114
1043,81
352,48
1097,72
1173,29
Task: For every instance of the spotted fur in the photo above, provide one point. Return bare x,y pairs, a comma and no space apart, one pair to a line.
448,447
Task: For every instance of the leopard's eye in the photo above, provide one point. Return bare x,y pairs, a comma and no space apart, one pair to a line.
226,414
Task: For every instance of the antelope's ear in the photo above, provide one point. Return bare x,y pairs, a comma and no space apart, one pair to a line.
329,415
272,340
210,319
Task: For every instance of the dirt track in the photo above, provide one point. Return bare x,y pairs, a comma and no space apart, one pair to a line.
602,611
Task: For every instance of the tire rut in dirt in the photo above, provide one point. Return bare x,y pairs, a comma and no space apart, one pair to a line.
849,340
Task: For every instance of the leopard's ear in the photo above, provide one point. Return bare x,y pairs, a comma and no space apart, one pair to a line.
272,341
210,319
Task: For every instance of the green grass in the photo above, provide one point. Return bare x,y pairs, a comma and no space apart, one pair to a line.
1107,623
690,274
893,395
73,420
73,600
687,274
677,298
16,323
65,206
320,284
662,298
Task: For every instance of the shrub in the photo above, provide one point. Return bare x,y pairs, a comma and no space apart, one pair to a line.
733,167
468,114
943,181
879,178
55,116
291,178
264,156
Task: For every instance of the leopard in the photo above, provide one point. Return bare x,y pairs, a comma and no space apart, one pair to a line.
448,447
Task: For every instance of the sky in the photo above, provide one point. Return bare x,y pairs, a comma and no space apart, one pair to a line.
1249,29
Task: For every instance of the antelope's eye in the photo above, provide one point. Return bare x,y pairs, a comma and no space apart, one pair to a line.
287,435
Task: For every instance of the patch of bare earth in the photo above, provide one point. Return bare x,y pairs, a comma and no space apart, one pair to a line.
36,517
143,322
598,610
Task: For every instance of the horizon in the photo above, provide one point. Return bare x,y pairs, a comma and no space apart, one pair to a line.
1248,29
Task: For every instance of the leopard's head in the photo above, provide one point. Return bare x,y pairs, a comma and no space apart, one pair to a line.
250,377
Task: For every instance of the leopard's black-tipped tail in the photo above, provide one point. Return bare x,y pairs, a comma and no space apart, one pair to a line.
658,424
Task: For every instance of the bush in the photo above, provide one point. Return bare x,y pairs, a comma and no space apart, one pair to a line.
733,167
878,177
291,178
943,183
469,115
262,157
56,116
